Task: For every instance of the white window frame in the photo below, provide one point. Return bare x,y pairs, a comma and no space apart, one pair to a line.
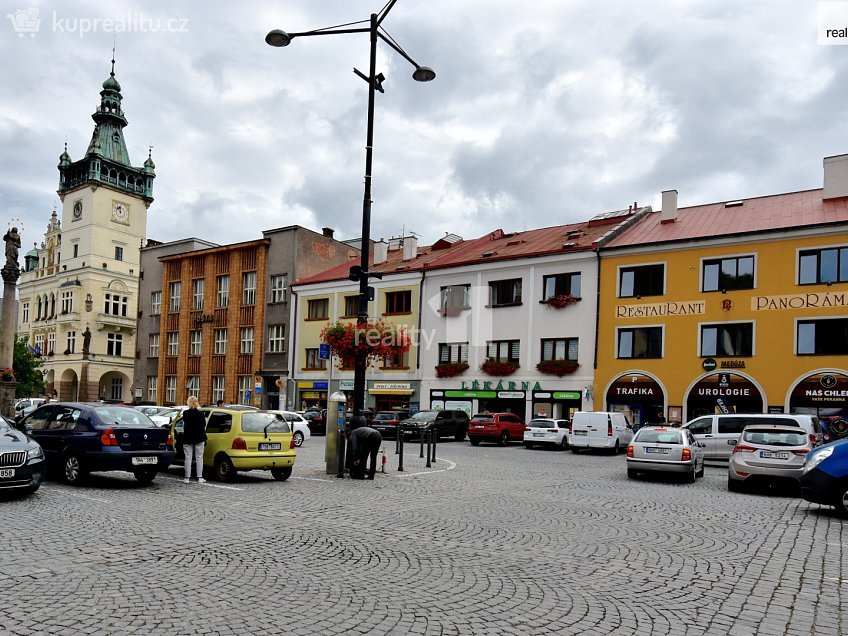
248,288
67,302
174,291
193,385
171,389
173,343
222,290
195,342
218,388
278,289
246,338
156,303
153,349
276,339
198,287
114,344
153,388
220,343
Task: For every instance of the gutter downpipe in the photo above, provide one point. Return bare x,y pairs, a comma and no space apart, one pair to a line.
293,354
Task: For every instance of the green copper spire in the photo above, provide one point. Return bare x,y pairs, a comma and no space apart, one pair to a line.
106,160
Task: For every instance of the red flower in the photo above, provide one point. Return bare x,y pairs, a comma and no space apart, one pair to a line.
558,368
496,368
560,301
450,369
374,340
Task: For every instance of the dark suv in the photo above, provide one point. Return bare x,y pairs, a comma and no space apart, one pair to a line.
387,422
448,423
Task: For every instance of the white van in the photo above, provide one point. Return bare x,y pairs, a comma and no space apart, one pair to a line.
721,432
599,430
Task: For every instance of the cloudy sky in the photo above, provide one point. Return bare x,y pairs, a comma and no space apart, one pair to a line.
542,112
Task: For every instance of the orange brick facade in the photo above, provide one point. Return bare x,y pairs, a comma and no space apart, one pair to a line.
233,366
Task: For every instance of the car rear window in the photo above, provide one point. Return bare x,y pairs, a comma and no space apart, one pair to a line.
121,416
425,415
483,418
256,423
542,424
380,417
774,438
647,436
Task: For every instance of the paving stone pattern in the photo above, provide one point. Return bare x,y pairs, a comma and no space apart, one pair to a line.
490,541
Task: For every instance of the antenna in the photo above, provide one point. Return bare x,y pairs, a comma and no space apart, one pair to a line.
114,45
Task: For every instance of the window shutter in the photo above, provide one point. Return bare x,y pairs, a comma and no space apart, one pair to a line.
444,354
492,350
514,349
463,352
572,349
548,350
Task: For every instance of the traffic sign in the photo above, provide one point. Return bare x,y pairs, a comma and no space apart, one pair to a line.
323,351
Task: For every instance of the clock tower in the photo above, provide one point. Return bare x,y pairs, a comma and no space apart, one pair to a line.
81,294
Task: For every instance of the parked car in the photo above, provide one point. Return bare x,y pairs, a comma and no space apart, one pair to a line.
543,431
25,406
721,432
166,418
668,450
21,460
496,427
367,413
317,421
448,423
601,429
299,426
242,440
150,411
80,438
767,452
824,478
387,422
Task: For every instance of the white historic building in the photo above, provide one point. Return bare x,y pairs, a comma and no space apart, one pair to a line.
78,295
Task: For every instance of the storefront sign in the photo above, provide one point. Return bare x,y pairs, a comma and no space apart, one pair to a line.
732,364
566,395
500,385
345,385
822,389
709,364
390,386
683,308
470,394
800,301
723,393
312,385
511,395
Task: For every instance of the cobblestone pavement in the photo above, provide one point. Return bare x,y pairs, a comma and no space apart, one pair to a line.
490,541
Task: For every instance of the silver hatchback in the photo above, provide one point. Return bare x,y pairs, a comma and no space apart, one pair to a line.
766,452
664,449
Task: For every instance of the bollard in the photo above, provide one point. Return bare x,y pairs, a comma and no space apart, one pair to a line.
400,453
383,461
429,438
398,441
422,433
435,441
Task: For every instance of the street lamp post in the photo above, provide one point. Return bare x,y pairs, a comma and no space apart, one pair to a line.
361,274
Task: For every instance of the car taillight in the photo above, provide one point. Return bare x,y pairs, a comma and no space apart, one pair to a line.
687,455
527,428
630,451
107,438
813,440
801,451
170,441
609,429
569,428
742,448
292,445
239,444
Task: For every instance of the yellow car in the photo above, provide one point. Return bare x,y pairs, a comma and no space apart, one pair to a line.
240,440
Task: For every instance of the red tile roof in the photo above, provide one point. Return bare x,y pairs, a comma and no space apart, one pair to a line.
761,214
494,246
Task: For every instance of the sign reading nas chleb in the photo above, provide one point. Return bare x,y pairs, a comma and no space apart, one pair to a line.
682,308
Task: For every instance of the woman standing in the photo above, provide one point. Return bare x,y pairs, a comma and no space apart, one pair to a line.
194,439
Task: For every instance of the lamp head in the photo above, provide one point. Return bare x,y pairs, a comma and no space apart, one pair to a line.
423,74
278,38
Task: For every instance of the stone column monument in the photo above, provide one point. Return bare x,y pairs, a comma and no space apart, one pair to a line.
10,272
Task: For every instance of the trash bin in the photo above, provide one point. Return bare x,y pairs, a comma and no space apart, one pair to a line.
336,406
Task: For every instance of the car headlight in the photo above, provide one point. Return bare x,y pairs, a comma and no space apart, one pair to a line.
34,453
816,458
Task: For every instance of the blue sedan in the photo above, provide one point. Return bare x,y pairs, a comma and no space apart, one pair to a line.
824,479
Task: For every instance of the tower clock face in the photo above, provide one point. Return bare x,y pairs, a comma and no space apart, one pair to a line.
120,212
77,209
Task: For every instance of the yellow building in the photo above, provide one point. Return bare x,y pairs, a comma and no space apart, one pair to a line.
739,306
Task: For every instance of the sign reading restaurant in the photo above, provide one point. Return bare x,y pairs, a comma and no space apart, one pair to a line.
683,308
800,301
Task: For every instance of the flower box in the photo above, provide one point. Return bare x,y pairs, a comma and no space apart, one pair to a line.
499,369
560,301
7,375
450,369
374,340
558,368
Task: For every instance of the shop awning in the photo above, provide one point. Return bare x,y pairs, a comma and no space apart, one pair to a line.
391,391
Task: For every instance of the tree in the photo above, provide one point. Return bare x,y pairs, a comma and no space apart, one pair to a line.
27,370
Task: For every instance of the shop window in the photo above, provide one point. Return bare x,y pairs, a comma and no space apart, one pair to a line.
503,350
559,349
453,352
313,362
503,293
823,266
399,302
317,309
823,337
728,273
644,280
640,342
351,306
727,340
561,285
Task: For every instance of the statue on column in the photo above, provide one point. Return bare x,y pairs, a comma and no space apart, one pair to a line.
13,246
86,340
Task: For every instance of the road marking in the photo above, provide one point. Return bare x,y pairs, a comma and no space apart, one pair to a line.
194,483
451,466
312,478
76,494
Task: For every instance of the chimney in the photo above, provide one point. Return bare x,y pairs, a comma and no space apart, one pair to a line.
410,247
835,177
669,206
381,252
327,231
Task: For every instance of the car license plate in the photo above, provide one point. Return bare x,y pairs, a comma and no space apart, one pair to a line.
6,473
476,426
772,455
270,446
538,434
581,432
661,451
144,460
